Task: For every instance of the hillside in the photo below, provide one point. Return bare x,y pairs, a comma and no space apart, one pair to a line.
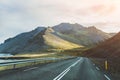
110,51
36,40
109,48
57,42
25,42
79,34
63,36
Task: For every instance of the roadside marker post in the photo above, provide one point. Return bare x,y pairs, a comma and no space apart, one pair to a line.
106,65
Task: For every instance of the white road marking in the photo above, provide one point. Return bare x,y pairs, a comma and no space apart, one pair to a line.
107,77
63,74
30,68
97,68
66,71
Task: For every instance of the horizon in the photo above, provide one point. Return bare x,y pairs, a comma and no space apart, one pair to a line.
27,30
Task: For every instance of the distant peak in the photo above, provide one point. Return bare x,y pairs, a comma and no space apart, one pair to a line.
39,29
64,24
92,27
70,24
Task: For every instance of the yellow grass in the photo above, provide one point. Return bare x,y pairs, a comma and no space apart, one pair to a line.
57,42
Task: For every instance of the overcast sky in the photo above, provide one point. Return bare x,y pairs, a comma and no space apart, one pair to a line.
18,16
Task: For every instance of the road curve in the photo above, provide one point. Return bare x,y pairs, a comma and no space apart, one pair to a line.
72,69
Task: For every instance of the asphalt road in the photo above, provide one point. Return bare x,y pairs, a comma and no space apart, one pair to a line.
72,69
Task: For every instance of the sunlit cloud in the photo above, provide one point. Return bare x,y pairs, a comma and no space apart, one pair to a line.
103,9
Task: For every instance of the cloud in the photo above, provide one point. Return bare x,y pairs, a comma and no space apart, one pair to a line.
18,16
103,9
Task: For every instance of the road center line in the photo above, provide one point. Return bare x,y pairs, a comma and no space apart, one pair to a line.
63,74
30,68
107,77
97,68
66,70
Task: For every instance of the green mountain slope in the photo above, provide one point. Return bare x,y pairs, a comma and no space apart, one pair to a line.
57,42
79,34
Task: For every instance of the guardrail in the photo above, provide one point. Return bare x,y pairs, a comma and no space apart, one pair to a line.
27,62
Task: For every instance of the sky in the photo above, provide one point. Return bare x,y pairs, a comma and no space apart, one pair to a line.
18,16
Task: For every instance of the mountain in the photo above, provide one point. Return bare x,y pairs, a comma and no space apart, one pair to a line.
109,48
64,36
36,40
112,34
76,33
24,42
57,42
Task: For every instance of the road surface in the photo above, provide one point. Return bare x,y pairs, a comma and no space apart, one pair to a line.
72,69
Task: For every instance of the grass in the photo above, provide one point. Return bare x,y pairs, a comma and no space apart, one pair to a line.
74,52
6,67
57,42
34,55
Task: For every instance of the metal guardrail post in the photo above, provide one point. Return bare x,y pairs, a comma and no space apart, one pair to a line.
34,63
14,66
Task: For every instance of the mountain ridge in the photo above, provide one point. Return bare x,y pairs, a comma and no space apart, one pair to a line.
109,48
35,41
86,36
62,36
